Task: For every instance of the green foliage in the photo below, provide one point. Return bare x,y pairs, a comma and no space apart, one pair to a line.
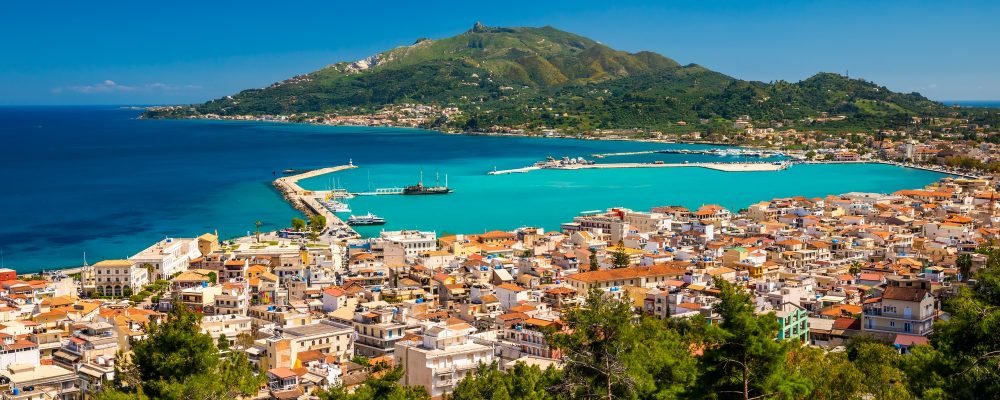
596,348
966,347
742,358
298,224
536,78
519,382
619,258
385,387
594,265
177,361
964,265
607,355
831,376
317,222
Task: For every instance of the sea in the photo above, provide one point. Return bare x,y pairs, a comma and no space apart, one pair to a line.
99,183
974,103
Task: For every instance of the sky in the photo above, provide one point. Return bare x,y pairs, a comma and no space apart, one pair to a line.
175,52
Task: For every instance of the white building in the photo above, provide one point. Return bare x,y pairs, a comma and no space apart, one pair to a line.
230,326
167,257
444,356
119,277
17,351
413,243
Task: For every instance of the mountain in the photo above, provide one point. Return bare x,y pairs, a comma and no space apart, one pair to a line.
536,78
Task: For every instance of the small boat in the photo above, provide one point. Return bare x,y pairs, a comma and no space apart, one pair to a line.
368,219
337,207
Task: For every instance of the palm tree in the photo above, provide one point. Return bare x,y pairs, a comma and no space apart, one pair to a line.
258,224
855,268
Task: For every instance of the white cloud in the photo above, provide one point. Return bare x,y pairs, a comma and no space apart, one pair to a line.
110,86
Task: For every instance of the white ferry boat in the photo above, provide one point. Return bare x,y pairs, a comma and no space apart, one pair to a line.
368,219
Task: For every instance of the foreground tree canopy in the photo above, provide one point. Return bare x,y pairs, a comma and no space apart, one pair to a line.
177,361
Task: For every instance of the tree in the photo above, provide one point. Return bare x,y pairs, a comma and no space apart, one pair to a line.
595,349
317,222
298,224
877,362
149,271
661,362
742,359
257,225
831,376
964,265
619,258
594,266
520,382
177,361
966,346
385,386
855,268
810,154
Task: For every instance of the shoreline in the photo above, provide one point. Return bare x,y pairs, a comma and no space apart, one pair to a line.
477,133
305,200
73,268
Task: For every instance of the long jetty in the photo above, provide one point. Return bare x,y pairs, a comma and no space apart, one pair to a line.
718,166
306,201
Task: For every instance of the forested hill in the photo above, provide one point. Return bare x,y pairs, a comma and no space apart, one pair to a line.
536,78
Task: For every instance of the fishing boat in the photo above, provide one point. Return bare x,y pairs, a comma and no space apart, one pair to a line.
368,219
419,188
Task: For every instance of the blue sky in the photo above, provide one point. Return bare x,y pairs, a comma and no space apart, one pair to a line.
73,52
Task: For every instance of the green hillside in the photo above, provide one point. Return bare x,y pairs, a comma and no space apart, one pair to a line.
535,78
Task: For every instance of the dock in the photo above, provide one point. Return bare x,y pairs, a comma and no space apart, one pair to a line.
381,192
718,166
722,152
306,201
513,171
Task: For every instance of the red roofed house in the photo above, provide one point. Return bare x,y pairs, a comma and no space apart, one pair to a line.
906,306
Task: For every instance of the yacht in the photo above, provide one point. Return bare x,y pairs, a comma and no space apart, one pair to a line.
369,219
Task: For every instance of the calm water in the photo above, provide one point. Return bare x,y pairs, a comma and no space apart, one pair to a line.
96,180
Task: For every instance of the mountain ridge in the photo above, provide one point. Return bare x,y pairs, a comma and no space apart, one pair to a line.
536,78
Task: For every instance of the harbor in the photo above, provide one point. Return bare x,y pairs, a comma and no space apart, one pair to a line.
309,201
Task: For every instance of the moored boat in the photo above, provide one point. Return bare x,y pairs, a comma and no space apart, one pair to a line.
367,219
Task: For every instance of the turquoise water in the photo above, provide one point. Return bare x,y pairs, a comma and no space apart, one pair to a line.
549,197
97,180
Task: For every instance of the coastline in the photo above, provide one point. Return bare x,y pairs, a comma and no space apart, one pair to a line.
72,266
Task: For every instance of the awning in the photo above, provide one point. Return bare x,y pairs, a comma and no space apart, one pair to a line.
63,354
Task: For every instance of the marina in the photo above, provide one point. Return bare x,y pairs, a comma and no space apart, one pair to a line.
307,200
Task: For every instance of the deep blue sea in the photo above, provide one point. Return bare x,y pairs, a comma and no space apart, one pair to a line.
100,181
